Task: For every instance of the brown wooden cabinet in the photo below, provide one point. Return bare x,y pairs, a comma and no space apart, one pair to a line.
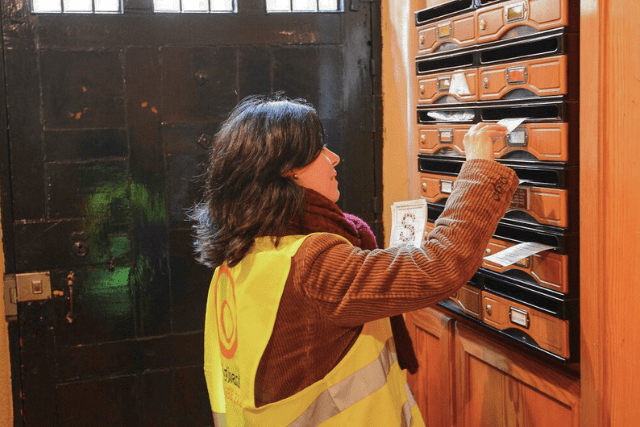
470,378
432,335
497,387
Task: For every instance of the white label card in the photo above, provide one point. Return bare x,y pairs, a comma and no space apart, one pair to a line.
516,253
408,220
511,124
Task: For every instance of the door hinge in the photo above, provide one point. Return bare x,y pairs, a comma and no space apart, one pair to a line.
25,287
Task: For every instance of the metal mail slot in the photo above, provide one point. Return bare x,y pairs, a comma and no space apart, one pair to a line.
547,109
547,43
539,174
509,232
437,114
452,61
446,8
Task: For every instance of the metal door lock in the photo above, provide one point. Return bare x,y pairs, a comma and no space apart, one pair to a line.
25,287
80,248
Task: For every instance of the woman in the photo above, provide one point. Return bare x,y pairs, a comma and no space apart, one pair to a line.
297,329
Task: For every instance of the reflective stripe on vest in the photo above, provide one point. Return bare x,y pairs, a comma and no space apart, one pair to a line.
340,396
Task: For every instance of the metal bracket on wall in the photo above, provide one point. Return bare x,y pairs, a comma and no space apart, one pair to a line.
10,297
25,287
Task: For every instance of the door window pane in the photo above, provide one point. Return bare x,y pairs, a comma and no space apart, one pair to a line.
76,6
278,5
47,6
222,6
195,5
303,5
203,6
328,5
107,5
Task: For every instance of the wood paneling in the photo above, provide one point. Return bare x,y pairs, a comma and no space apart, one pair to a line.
497,387
610,209
432,335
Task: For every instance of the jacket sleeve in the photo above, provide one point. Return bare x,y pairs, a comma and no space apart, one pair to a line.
352,286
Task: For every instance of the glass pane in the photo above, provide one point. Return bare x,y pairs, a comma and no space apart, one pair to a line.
47,6
278,5
195,5
166,5
305,5
328,5
107,5
78,6
222,5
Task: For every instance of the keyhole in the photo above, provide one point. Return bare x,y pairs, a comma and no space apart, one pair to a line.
80,248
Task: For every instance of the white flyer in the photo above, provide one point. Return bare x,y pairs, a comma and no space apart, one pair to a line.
516,253
459,85
511,124
408,219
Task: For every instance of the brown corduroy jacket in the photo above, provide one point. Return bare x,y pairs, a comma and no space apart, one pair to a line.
334,288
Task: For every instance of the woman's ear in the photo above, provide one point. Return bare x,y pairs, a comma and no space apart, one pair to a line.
290,174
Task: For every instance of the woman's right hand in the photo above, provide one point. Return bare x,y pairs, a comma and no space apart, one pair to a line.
478,142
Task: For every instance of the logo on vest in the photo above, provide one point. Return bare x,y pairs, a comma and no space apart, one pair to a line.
226,313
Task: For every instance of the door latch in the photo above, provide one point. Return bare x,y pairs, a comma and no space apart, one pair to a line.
10,298
25,287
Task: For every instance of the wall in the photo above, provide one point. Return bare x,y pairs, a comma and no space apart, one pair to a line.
6,408
610,212
397,64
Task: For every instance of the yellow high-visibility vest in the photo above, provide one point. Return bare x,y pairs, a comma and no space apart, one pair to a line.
367,387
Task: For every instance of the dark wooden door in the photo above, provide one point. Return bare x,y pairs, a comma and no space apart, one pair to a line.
108,120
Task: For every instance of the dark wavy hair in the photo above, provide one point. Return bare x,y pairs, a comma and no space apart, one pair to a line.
245,193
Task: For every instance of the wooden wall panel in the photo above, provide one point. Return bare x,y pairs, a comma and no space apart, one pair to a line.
432,335
499,387
610,212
